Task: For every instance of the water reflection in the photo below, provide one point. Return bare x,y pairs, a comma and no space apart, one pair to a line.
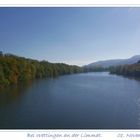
93,100
13,93
128,77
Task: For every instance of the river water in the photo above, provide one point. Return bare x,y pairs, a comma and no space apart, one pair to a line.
94,100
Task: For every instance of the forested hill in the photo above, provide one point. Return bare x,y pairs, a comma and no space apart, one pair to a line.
114,62
132,70
15,69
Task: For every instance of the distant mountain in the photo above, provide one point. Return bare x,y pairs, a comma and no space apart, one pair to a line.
114,62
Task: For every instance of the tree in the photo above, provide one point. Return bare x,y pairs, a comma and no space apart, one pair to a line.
15,69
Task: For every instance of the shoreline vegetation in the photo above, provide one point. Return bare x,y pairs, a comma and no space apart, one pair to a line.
132,70
15,70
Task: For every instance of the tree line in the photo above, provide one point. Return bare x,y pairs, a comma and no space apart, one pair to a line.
15,69
94,69
132,70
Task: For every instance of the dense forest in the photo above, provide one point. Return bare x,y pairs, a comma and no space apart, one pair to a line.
94,69
132,70
15,69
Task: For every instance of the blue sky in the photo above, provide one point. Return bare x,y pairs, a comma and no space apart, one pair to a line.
71,35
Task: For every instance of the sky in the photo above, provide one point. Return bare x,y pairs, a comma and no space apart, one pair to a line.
76,36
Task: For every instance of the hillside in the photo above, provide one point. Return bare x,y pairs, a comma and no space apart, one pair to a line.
15,69
114,62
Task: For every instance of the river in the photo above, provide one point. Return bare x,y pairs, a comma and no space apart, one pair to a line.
96,100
